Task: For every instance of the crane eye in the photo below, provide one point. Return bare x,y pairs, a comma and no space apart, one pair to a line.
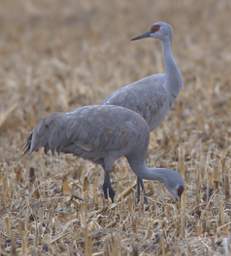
180,190
155,28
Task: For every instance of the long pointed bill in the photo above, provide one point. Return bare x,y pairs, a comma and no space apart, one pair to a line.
144,35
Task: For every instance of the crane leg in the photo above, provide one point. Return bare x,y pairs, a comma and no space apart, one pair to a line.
139,184
107,188
138,190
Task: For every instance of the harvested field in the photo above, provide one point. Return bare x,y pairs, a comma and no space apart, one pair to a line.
58,55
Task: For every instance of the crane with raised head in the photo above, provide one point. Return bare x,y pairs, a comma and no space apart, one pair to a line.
152,96
102,134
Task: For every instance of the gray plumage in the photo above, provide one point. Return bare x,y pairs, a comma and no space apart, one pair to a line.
153,96
103,134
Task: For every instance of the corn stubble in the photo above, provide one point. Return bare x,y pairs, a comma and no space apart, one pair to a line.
55,58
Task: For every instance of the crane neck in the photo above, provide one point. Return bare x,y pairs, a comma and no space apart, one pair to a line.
174,79
144,172
171,179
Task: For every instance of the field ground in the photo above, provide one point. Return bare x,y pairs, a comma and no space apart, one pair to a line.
57,55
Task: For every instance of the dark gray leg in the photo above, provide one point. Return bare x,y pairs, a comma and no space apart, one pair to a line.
138,190
107,188
140,183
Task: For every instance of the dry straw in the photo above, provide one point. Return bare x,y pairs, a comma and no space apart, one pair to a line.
57,55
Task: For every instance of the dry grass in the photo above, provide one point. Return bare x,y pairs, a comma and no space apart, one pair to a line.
56,55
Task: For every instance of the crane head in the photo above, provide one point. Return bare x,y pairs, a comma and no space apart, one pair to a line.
174,182
176,192
159,30
180,190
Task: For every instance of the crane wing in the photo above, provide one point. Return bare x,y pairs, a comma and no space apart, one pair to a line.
148,97
88,136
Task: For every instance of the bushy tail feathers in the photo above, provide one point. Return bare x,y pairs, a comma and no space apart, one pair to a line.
47,134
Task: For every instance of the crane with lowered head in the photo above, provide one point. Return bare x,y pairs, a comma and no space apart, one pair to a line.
102,134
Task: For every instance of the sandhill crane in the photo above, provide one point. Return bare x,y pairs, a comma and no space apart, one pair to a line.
152,97
102,134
